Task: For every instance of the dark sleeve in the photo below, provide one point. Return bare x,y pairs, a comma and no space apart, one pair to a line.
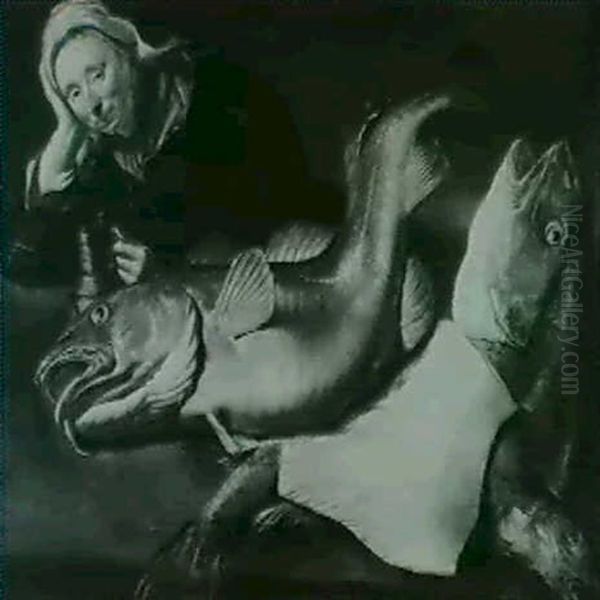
95,183
34,200
42,246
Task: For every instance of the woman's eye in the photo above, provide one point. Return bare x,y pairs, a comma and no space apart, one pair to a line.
74,94
98,75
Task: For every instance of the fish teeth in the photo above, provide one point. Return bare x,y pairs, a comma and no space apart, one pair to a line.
559,151
71,437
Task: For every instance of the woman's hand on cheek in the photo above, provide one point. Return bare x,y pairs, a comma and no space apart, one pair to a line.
65,119
131,258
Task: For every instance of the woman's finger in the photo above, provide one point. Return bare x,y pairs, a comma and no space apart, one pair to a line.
127,264
117,234
127,278
129,250
121,238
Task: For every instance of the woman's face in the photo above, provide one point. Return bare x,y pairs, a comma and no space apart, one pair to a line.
98,82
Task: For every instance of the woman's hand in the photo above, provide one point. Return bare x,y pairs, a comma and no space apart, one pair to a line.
68,146
131,257
65,119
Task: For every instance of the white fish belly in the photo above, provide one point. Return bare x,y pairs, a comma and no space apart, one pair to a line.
406,478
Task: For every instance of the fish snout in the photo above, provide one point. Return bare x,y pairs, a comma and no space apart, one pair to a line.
560,153
414,114
397,124
525,172
525,166
64,374
521,158
553,180
560,157
427,105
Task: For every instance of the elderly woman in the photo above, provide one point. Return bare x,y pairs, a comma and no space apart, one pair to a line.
152,147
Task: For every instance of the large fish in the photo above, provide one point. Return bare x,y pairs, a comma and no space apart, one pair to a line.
512,259
406,476
513,303
449,408
267,348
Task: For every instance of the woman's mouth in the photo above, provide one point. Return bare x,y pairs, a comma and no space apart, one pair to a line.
107,122
109,126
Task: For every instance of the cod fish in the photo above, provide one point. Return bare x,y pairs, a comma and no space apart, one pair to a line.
512,259
406,476
267,349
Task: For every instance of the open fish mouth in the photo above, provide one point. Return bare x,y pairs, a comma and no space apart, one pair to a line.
530,168
64,378
386,120
77,381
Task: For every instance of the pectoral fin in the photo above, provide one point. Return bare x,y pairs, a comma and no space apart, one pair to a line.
418,310
247,298
427,167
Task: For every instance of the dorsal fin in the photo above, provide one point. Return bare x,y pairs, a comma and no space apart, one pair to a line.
247,298
298,241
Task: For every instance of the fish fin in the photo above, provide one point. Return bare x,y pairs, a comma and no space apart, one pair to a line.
247,298
427,167
418,310
233,444
298,241
228,442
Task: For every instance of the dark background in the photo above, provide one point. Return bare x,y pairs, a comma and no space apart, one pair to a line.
81,528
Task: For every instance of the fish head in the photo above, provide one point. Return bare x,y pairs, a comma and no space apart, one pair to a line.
511,267
390,156
127,361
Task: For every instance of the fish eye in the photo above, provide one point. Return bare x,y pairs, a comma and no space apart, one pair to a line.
99,314
554,233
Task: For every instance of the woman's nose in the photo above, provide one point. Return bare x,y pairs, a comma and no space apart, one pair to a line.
93,103
96,107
